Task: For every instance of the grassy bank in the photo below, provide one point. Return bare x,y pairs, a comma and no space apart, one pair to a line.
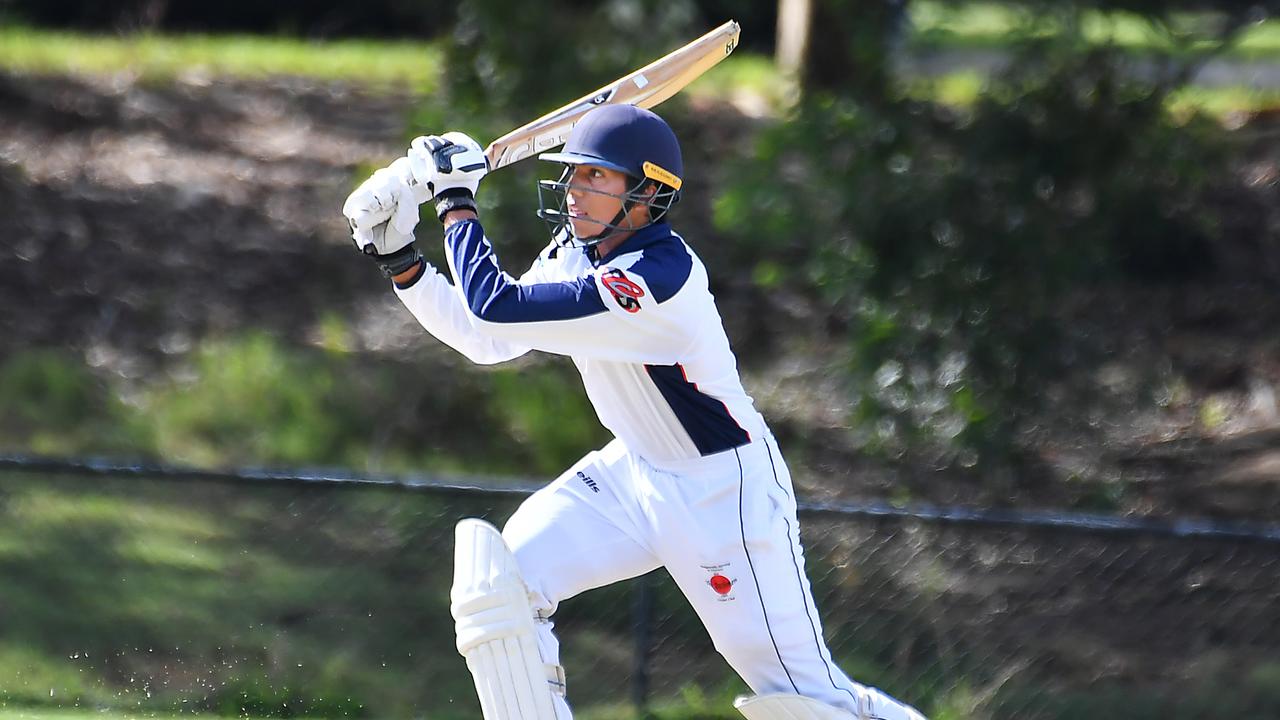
414,66
254,400
198,597
374,64
964,88
752,80
132,598
988,25
139,598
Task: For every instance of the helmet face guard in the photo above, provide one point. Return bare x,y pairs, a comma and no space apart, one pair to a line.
553,200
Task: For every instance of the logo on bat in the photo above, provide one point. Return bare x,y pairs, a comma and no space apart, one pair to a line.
623,289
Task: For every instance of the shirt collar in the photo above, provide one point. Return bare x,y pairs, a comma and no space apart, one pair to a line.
639,240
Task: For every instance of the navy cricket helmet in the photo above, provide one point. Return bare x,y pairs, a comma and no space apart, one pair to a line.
627,139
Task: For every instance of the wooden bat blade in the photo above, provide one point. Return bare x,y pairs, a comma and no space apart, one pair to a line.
645,87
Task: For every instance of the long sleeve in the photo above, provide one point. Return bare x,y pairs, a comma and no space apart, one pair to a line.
611,313
439,309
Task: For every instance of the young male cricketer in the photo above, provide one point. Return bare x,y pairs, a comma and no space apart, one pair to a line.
693,481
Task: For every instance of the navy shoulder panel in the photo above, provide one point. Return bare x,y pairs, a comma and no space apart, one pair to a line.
665,266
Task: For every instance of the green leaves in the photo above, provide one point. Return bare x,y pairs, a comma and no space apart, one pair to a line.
949,242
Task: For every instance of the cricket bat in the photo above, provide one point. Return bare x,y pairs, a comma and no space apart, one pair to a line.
645,87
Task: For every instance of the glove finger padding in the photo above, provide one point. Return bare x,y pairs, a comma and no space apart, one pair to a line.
421,163
372,202
419,191
405,218
462,154
383,210
450,161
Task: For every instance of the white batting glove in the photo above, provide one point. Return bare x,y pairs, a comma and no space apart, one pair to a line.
450,166
382,213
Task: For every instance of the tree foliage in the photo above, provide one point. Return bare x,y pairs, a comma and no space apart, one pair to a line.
947,242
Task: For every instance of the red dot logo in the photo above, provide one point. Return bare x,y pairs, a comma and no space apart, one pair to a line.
721,584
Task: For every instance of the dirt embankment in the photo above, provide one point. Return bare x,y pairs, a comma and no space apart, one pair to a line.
142,218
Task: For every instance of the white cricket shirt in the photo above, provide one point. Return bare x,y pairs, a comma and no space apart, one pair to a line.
640,324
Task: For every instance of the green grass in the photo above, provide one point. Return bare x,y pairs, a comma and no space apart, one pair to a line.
255,400
963,88
744,76
378,64
135,598
990,24
750,79
1223,102
153,597
40,713
75,714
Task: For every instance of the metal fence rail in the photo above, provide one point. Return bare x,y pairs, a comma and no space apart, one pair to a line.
968,613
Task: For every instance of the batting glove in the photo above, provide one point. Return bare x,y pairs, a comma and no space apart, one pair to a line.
451,165
383,212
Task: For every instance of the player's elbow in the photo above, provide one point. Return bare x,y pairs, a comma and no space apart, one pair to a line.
483,310
499,310
488,306
489,353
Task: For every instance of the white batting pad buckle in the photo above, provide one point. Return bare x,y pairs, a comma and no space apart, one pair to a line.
873,705
495,626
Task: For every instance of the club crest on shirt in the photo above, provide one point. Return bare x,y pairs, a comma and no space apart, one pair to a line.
623,289
721,582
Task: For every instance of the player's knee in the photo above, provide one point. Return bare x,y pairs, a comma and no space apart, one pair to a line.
530,562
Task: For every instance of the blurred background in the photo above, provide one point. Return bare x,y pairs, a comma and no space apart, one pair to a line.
1003,276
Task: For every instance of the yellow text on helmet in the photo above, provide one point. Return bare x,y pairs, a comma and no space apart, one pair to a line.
662,175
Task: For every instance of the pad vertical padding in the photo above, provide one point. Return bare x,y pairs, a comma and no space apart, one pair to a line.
494,621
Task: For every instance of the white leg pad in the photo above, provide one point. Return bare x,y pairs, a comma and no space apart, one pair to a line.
495,625
873,705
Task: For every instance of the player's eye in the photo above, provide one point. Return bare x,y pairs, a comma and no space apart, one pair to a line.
596,173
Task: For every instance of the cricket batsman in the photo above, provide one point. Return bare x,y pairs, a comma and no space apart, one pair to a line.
693,481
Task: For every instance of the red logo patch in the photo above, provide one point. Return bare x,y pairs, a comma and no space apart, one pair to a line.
626,292
721,584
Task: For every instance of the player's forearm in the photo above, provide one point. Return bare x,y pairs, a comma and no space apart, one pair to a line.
437,307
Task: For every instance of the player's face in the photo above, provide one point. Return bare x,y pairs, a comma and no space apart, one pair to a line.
588,207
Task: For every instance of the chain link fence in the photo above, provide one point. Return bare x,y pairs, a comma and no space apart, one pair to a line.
1038,617
320,595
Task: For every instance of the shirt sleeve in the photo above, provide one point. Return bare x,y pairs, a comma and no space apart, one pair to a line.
438,308
608,314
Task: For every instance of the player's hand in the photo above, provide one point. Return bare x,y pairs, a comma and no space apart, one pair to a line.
451,166
383,212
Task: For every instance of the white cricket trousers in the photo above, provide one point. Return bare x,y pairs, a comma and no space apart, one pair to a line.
724,526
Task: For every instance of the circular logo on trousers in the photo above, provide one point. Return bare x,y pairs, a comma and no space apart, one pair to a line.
721,584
